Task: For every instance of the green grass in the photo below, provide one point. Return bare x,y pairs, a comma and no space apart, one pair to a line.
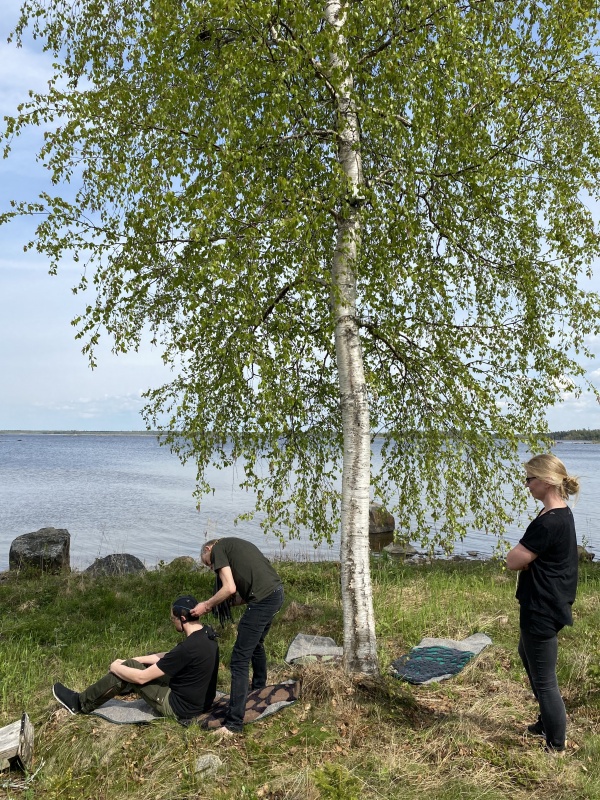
346,738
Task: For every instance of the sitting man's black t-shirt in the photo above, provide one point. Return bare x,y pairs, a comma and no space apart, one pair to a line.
192,667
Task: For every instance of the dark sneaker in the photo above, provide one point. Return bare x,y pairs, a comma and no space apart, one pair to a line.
67,698
537,729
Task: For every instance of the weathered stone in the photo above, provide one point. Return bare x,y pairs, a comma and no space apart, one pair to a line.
380,520
47,549
182,564
584,555
378,541
401,549
208,764
116,564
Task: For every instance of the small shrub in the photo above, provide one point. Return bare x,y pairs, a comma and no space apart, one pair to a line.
335,782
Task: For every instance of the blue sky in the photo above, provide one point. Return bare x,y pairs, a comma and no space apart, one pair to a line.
46,381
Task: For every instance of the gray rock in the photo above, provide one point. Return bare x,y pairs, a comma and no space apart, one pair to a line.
208,764
380,520
378,541
401,549
182,564
47,549
584,555
116,564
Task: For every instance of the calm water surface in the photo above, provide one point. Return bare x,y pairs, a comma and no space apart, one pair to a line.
127,494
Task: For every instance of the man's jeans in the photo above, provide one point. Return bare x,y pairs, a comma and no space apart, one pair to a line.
539,659
249,647
155,693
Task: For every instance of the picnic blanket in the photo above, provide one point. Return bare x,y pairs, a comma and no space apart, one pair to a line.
306,649
260,704
438,659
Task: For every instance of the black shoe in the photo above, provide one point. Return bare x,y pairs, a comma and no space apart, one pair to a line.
67,698
537,728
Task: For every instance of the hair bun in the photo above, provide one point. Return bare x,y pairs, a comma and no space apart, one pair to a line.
571,485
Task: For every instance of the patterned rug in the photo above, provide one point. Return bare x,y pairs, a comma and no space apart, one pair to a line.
260,704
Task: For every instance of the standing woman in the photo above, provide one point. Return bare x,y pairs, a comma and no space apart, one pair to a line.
547,558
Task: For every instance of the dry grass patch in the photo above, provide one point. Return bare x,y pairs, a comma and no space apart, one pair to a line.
407,597
299,611
586,604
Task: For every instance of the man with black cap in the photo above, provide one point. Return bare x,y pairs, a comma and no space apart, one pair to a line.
181,683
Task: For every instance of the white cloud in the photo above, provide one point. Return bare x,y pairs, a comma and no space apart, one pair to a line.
575,412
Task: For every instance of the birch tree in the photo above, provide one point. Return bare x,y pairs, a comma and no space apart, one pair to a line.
335,219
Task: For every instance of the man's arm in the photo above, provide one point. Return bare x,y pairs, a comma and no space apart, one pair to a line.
227,589
133,675
148,660
519,557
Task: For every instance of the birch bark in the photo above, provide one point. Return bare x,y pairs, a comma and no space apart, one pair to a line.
360,654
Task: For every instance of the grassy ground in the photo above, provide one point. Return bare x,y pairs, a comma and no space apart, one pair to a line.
345,739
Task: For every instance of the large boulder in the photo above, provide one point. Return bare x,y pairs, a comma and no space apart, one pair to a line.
380,520
184,564
116,564
47,549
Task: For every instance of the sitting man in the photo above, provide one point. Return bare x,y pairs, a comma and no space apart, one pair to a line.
181,683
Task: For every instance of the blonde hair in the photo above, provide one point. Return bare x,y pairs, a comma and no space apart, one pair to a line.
547,467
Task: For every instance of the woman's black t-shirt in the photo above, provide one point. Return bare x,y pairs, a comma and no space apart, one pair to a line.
546,591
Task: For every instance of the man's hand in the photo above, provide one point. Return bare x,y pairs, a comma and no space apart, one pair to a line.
228,589
200,609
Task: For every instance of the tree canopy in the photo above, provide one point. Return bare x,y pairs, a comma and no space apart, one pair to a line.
225,155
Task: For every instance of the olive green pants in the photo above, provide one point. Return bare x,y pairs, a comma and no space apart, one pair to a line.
155,693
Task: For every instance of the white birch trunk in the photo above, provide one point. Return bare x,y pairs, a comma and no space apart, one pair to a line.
360,653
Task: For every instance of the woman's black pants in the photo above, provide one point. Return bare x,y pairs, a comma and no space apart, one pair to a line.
539,657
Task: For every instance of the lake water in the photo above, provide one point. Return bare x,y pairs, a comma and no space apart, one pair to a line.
125,493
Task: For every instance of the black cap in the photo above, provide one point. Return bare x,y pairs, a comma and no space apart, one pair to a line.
184,604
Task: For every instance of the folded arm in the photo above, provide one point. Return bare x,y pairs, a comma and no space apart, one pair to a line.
519,557
133,675
149,659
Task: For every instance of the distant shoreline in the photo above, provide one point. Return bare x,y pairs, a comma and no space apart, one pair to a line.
82,433
583,435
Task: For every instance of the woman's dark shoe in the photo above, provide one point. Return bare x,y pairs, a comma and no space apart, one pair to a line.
537,728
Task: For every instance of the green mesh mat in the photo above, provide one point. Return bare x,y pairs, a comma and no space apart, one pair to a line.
425,664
